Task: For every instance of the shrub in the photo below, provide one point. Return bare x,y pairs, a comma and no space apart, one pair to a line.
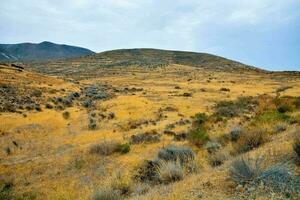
225,89
36,93
284,108
271,116
66,115
297,146
198,136
251,140
104,148
106,194
245,170
144,138
217,159
147,172
236,133
49,106
280,128
231,109
212,147
92,125
174,153
123,148
187,94
280,178
170,171
199,119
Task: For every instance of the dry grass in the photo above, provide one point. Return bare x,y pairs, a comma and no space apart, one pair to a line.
47,142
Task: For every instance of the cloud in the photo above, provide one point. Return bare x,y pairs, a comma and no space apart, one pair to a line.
217,26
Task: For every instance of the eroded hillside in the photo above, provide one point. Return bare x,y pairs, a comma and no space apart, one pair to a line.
165,132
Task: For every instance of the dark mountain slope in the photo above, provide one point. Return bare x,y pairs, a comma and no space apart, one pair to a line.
39,52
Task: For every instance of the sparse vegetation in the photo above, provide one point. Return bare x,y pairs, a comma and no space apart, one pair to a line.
108,147
251,140
198,136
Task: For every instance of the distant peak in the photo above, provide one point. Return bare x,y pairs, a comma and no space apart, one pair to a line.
46,42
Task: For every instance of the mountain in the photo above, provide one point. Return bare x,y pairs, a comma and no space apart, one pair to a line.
39,52
149,58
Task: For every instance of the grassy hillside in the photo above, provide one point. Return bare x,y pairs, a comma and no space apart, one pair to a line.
172,132
91,66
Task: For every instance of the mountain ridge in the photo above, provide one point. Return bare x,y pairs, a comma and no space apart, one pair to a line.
40,51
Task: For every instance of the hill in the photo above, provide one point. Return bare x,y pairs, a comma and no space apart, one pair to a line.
41,51
92,65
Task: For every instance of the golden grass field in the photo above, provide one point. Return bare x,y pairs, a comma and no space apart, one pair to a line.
52,158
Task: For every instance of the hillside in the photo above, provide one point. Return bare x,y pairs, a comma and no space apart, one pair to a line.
171,132
41,51
92,65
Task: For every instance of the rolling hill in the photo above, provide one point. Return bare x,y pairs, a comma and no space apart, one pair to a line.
150,58
41,51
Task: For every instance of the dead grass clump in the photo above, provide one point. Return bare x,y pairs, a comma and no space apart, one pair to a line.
106,194
174,153
217,158
251,140
122,183
170,171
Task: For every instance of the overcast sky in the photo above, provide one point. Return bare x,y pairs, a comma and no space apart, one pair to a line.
263,33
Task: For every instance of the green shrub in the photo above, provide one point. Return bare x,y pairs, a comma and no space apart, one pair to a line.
123,148
284,108
271,116
198,136
199,119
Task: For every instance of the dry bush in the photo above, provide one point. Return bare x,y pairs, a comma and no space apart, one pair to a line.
122,183
173,153
108,147
296,146
251,140
217,159
170,171
106,194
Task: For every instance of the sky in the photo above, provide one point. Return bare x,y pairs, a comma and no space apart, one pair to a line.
262,33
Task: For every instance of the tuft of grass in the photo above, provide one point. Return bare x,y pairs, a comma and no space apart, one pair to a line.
245,170
122,183
106,148
198,136
170,171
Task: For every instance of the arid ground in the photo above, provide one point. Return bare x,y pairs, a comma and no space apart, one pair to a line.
115,133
